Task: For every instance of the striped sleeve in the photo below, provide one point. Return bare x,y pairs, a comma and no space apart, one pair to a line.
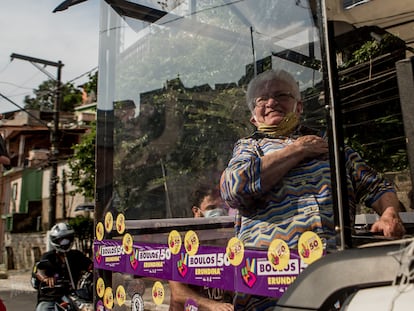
368,184
240,182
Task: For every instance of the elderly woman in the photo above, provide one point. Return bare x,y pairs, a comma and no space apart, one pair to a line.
279,177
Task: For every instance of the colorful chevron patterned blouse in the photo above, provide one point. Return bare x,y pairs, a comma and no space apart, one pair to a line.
301,202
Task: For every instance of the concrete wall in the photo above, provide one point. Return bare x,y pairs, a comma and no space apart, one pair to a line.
23,249
402,181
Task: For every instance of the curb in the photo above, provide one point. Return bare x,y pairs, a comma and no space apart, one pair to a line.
16,280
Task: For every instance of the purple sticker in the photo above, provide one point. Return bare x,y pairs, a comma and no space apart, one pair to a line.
210,266
190,305
100,306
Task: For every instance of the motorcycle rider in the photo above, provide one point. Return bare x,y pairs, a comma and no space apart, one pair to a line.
60,269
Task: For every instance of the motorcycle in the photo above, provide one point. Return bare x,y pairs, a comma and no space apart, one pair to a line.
78,299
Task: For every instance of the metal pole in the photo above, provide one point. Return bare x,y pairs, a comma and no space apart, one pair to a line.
335,132
54,150
405,78
54,134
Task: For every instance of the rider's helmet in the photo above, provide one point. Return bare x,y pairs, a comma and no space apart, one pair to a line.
61,237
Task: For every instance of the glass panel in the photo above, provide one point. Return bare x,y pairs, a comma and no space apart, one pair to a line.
178,96
172,98
172,84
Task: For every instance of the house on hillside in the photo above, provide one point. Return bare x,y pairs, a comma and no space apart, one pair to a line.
26,187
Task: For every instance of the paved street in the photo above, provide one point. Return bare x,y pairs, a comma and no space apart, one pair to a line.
17,293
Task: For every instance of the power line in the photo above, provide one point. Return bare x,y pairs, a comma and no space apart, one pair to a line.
23,109
82,75
15,85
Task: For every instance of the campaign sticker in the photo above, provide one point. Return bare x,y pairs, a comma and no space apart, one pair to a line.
191,242
120,295
174,242
99,230
108,298
182,265
100,306
190,305
310,247
98,255
158,293
235,251
127,243
109,222
278,254
249,273
120,223
100,287
137,303
133,258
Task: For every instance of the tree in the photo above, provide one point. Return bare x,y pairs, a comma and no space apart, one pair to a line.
182,136
92,85
45,96
371,110
82,164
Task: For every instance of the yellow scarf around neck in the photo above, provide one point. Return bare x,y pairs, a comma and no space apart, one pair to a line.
284,128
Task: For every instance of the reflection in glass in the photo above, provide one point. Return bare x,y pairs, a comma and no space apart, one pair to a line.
186,75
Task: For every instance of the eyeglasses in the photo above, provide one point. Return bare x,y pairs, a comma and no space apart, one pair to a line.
261,101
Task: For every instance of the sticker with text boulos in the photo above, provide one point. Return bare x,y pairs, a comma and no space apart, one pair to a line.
235,251
109,222
120,295
278,254
99,231
108,298
127,242
174,242
120,223
310,247
191,242
100,287
158,293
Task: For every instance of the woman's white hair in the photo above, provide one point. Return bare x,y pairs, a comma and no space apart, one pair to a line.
270,75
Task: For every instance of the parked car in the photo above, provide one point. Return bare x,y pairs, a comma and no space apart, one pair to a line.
85,209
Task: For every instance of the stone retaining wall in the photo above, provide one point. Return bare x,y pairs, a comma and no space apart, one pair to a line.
23,249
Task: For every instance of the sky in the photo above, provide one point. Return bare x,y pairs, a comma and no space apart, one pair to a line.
30,28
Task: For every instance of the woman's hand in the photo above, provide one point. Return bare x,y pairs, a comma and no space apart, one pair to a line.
390,224
312,146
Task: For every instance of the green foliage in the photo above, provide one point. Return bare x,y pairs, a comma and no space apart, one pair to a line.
380,151
367,51
82,164
373,125
187,133
45,96
92,84
373,48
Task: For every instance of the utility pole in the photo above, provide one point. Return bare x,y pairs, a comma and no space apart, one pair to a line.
54,132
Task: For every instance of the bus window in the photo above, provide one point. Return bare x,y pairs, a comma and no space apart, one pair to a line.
178,94
172,86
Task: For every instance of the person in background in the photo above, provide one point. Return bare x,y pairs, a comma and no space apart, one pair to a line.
60,269
279,178
207,202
